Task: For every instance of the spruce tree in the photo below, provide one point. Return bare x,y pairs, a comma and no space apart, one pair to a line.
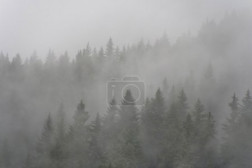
43,156
59,151
110,48
79,138
128,146
153,127
182,106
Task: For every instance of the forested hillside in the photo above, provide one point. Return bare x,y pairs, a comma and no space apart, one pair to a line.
196,110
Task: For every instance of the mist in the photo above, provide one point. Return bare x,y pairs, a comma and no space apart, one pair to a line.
129,84
28,26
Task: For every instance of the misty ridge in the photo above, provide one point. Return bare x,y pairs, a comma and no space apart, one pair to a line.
194,109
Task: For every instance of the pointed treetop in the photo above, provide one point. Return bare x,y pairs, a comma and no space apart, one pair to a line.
182,96
110,48
88,50
247,100
48,124
128,98
81,106
234,104
159,93
159,97
199,106
248,94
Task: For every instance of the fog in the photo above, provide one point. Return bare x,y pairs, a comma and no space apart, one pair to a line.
125,84
62,25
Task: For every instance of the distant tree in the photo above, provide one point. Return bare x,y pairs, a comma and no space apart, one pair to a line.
203,146
50,59
110,48
165,88
45,144
61,123
96,154
87,51
64,67
59,150
153,127
117,52
95,54
169,156
232,122
110,117
79,138
182,106
127,151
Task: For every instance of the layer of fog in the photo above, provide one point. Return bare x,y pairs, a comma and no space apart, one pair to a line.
63,25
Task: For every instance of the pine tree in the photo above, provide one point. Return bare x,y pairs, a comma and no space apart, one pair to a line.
117,52
79,138
186,153
96,155
246,115
110,48
182,106
169,156
45,145
87,52
59,151
153,127
112,111
232,121
198,113
203,146
165,88
127,148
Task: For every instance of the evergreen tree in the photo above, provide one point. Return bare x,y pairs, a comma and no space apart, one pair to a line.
240,143
79,138
110,48
128,152
44,147
165,88
232,122
87,52
59,151
246,115
96,155
203,146
169,156
182,106
153,127
110,117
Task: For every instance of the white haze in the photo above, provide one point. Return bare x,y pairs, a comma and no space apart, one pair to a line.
28,25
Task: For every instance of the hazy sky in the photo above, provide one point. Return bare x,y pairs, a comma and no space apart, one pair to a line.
28,25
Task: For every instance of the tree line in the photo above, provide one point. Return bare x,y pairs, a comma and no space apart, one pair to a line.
156,135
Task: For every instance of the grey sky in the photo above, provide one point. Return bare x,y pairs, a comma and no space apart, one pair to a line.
28,25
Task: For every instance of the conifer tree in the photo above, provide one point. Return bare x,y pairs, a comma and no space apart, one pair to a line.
128,146
153,127
182,106
79,138
110,48
59,151
45,145
96,154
